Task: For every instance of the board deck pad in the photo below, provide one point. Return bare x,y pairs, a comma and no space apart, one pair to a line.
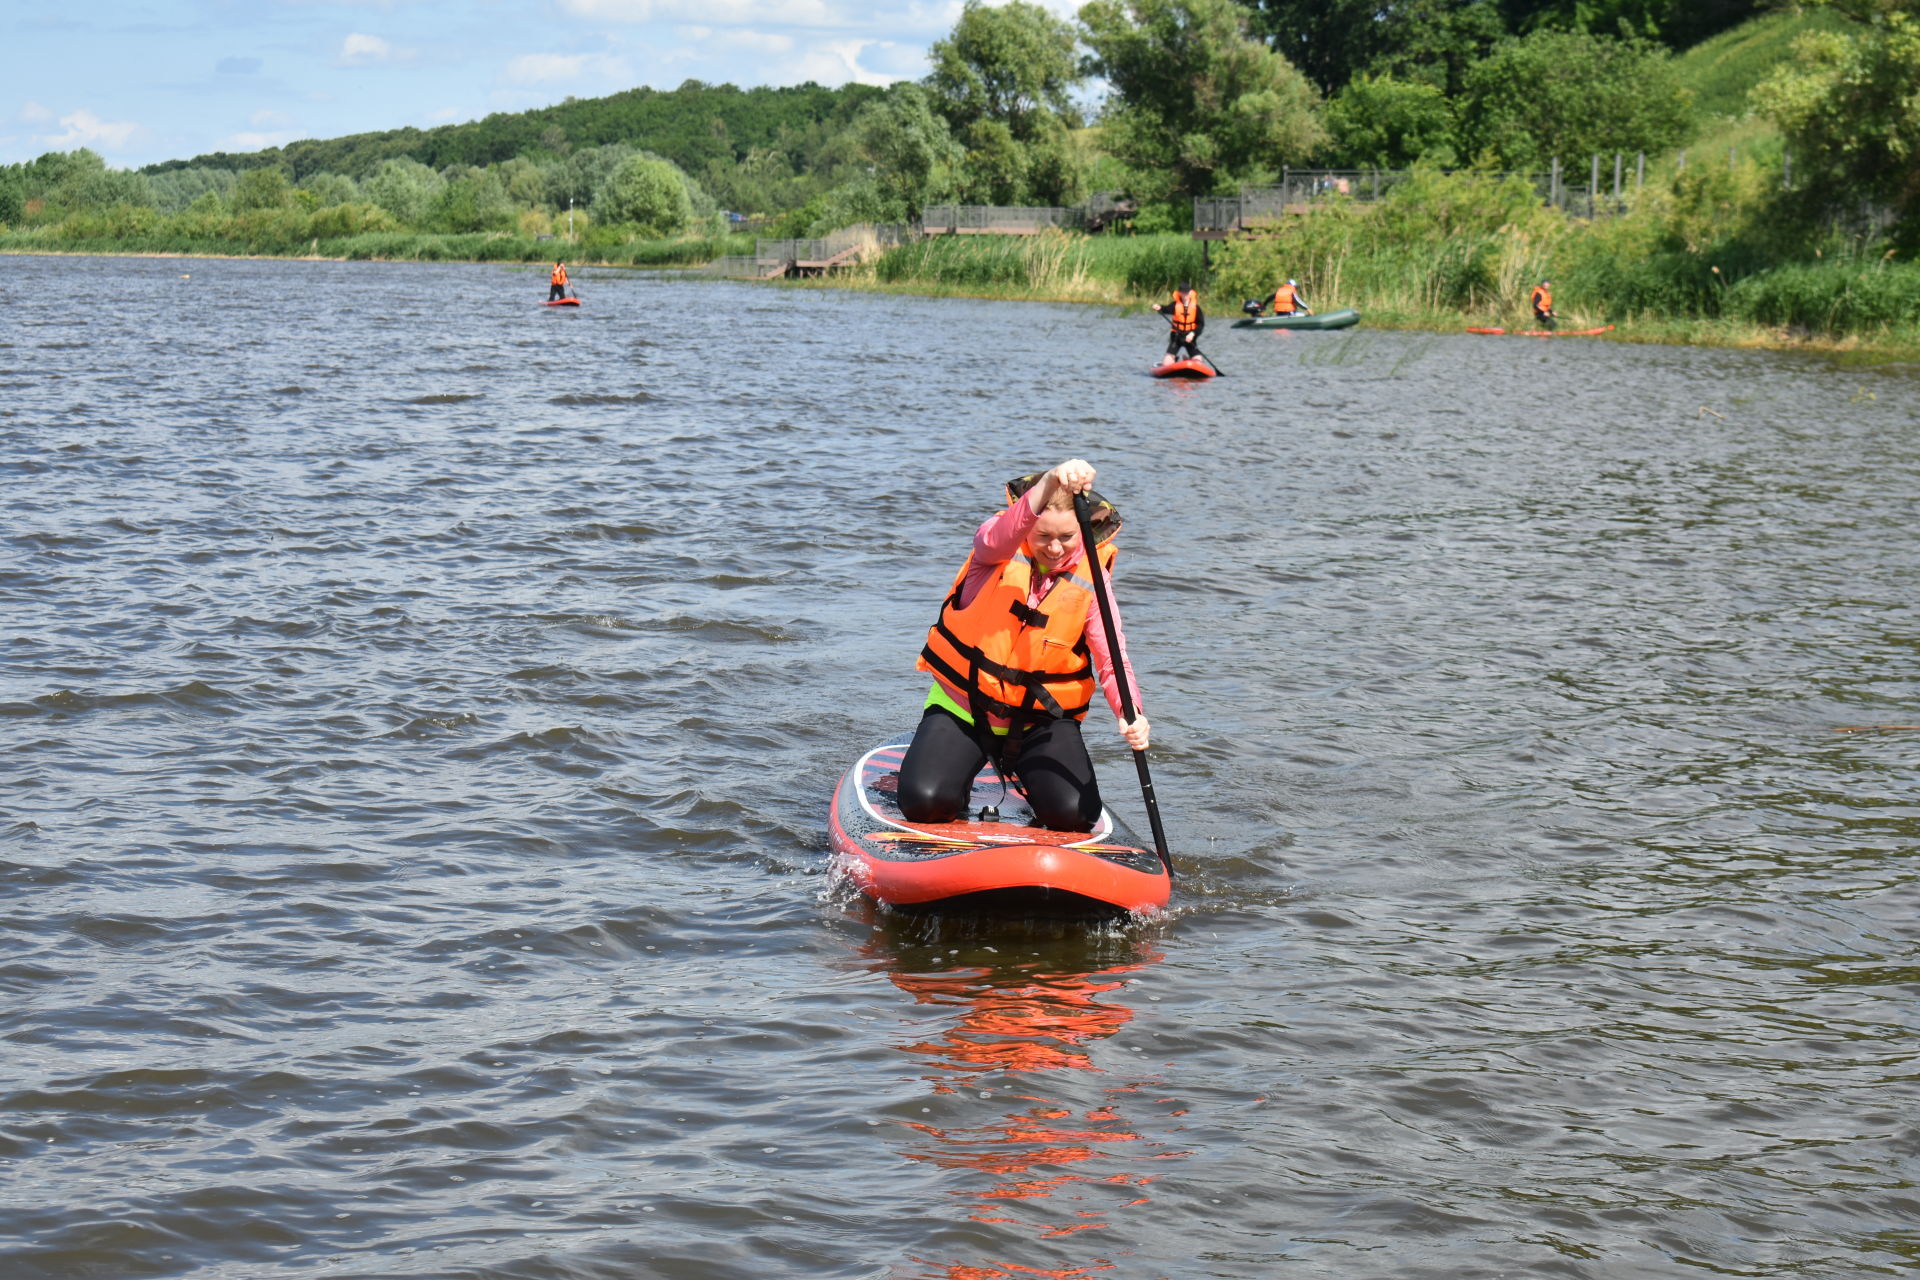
933,863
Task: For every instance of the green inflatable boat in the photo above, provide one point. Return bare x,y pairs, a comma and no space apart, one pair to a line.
1340,319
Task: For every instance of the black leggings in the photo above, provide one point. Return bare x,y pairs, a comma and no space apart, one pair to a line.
1052,766
1177,340
556,291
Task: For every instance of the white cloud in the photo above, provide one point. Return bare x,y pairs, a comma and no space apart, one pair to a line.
360,49
85,129
568,68
836,62
34,113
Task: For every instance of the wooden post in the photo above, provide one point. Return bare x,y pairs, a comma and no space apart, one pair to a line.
1616,176
1376,184
1640,171
1553,183
1593,186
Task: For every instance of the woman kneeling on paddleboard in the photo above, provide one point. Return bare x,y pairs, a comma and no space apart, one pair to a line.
1013,658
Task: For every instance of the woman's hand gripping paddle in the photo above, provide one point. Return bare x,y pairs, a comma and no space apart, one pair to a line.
1084,512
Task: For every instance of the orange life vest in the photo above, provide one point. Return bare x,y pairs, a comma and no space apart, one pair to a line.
1542,298
1186,312
1014,662
1283,300
559,275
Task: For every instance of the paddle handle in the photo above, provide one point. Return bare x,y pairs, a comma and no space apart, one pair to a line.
1083,511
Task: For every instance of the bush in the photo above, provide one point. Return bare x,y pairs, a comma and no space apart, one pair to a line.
1830,297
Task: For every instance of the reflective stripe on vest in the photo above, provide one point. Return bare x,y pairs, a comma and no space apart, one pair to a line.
1011,660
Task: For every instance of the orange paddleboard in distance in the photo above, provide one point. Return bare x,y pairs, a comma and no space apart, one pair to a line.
1183,369
1546,333
564,302
989,861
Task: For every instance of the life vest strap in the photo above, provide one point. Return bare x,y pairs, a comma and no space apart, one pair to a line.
1028,615
1033,682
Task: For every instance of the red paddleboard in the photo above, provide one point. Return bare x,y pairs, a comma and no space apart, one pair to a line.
564,302
984,863
1183,369
1546,333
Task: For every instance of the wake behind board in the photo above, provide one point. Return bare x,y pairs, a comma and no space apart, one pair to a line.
992,865
1183,369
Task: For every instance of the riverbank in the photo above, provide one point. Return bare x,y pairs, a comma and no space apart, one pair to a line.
382,246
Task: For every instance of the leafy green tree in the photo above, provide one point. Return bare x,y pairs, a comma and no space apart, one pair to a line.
472,200
405,188
907,146
1384,123
176,189
647,192
1014,63
13,195
1849,107
1439,41
329,189
1194,96
261,189
1571,95
96,190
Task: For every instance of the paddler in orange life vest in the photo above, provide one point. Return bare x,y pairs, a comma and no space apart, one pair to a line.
1014,655
1542,300
557,282
1186,323
1288,302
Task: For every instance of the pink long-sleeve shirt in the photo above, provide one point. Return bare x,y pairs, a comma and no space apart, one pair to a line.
998,540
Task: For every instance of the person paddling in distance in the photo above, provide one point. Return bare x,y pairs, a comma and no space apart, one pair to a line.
1542,300
1014,655
557,282
1186,322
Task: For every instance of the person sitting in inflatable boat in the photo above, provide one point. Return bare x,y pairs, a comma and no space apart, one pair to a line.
1014,654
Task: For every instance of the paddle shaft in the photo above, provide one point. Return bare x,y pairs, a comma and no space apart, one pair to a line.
1085,515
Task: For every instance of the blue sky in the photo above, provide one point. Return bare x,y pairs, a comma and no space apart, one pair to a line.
146,80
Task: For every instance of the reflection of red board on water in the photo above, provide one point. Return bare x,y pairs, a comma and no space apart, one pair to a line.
996,863
1183,369
1545,333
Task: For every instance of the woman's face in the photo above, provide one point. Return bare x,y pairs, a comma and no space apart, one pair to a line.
1055,535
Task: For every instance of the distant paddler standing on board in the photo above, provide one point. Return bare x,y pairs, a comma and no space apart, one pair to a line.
1186,322
557,282
1542,300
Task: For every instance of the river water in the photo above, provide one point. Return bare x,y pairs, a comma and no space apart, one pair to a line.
419,710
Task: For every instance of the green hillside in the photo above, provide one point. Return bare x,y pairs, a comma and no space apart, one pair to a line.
692,126
1721,70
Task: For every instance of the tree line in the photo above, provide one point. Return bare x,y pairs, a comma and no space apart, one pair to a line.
1197,97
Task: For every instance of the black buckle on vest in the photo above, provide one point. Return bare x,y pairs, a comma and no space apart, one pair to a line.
1028,615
